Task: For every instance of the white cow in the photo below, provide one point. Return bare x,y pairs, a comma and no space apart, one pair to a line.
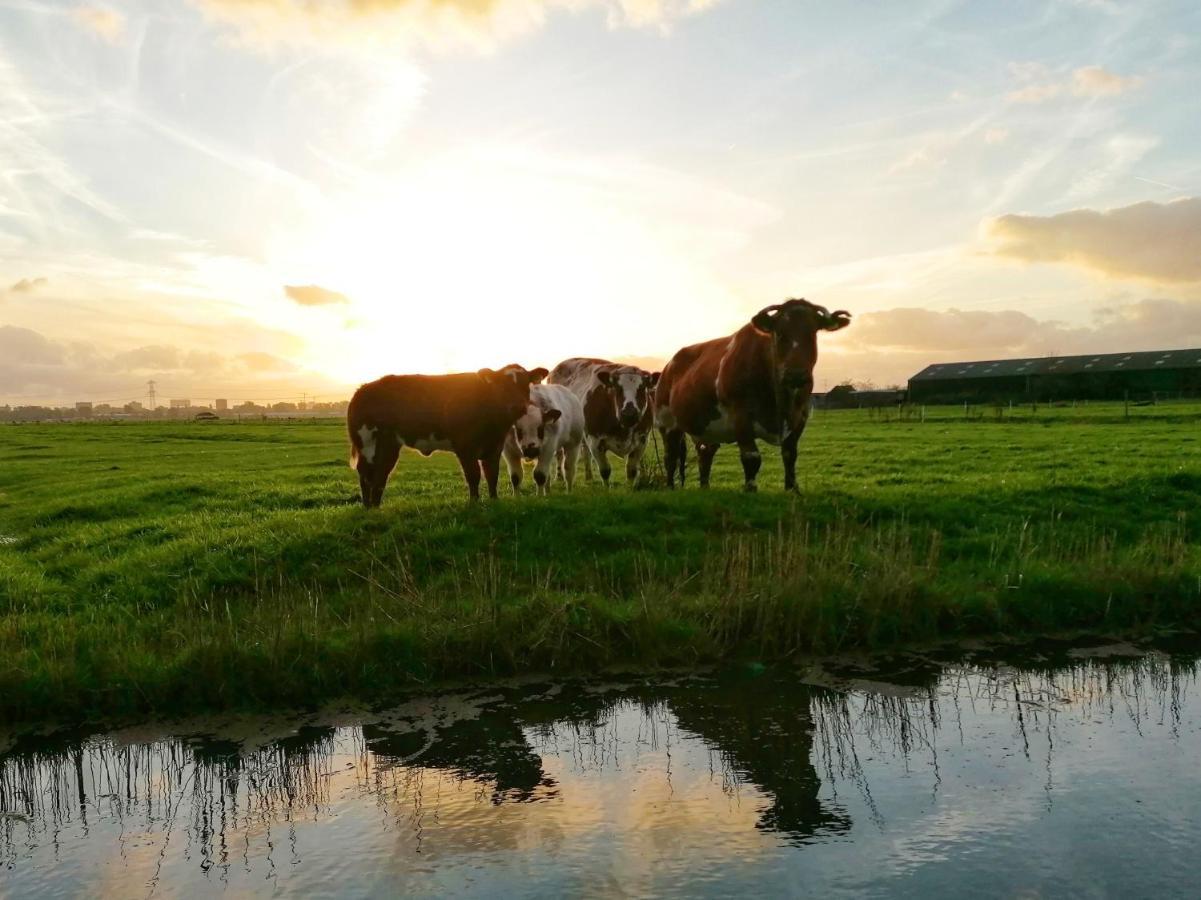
551,431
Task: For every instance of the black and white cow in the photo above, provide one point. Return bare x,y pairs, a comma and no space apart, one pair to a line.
617,410
551,432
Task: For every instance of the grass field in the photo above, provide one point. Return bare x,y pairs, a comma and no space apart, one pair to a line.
173,567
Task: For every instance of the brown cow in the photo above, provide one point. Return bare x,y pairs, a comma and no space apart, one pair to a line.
756,383
469,414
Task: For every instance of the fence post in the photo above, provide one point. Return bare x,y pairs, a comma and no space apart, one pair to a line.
1126,400
923,412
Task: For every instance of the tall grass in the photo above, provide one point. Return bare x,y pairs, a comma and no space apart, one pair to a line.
230,567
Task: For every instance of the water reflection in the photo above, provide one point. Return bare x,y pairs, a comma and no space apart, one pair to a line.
855,775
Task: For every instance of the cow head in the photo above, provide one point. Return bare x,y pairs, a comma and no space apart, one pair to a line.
793,326
533,427
630,388
512,385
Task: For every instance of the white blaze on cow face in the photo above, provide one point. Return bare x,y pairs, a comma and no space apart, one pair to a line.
631,393
535,427
367,437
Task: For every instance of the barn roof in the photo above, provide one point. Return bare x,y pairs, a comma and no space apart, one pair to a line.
1147,360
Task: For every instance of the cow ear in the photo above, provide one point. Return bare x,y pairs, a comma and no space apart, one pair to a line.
605,378
487,375
837,320
551,415
536,375
765,319
653,379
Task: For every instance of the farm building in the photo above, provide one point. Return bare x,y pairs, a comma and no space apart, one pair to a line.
1102,376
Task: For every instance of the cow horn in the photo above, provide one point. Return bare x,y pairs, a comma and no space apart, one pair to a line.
763,319
840,318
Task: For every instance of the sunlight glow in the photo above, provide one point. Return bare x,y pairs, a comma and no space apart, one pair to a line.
477,261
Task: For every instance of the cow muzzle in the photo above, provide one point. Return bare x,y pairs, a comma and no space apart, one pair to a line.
530,451
629,415
796,379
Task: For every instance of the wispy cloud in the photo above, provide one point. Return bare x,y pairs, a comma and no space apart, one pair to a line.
1094,81
28,285
314,295
436,23
1039,84
102,21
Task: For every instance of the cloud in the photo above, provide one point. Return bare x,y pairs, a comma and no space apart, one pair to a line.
34,368
1148,324
1034,93
1039,84
1153,241
922,157
155,357
100,20
890,345
1093,81
314,295
265,362
28,285
23,346
996,135
438,23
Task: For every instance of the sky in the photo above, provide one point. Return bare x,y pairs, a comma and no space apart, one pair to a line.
259,199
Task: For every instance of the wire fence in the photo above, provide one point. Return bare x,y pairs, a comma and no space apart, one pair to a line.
1153,408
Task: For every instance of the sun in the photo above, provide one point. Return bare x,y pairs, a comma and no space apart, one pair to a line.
477,262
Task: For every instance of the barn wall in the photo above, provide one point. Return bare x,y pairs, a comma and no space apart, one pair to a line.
1108,385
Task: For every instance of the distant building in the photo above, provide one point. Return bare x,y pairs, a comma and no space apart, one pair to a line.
181,404
222,405
83,408
1101,376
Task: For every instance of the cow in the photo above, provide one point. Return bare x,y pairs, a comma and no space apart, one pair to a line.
551,432
617,406
756,383
468,414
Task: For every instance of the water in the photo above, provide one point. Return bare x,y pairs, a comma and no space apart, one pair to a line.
1050,772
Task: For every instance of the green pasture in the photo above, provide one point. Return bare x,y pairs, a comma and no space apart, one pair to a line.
170,567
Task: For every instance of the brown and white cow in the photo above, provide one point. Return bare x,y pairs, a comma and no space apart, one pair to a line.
469,414
755,384
618,414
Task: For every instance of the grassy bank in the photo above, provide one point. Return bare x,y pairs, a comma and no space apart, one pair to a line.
167,567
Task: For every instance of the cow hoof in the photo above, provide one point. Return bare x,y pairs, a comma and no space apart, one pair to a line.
750,487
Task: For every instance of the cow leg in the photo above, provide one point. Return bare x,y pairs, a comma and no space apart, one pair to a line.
491,466
387,451
788,455
513,464
634,461
366,484
570,455
471,474
748,450
601,455
704,455
788,448
675,452
586,453
544,470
